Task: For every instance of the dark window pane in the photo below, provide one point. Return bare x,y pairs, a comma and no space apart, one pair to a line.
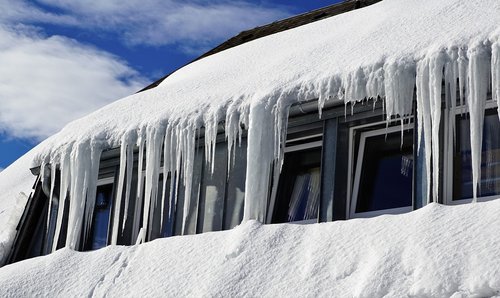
490,158
99,230
299,187
386,173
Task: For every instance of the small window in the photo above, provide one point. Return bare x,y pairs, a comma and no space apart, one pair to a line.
298,193
489,185
98,236
383,173
213,191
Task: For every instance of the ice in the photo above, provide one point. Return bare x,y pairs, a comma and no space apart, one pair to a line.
409,43
479,73
495,73
126,165
140,190
153,155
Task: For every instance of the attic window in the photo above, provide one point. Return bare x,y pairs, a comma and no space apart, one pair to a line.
383,174
460,164
299,185
98,236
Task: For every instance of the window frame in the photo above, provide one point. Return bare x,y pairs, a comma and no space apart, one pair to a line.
313,144
102,182
354,174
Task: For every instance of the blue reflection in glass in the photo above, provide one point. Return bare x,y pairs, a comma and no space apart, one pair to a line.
100,221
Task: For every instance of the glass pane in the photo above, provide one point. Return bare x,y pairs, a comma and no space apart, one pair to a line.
387,172
156,230
490,158
236,187
213,191
99,231
305,196
299,187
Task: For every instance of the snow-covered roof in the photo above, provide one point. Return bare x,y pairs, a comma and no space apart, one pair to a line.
353,53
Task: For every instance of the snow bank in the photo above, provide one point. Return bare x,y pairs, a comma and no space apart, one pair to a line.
437,251
16,182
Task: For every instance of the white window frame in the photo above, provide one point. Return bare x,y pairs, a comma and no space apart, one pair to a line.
353,200
295,148
449,144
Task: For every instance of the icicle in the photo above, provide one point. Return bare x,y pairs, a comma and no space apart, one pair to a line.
119,189
259,155
84,170
188,172
399,85
211,126
53,168
128,184
140,190
65,168
479,67
451,76
463,63
166,169
153,149
232,129
265,148
436,64
424,119
495,74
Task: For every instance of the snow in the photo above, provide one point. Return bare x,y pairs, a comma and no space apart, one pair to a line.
437,251
16,182
383,51
380,51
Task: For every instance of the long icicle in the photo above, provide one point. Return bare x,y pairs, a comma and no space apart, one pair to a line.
479,65
119,190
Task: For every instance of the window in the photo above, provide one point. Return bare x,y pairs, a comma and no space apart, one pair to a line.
298,195
213,191
459,182
383,171
98,235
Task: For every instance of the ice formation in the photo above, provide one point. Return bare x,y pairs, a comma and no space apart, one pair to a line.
240,88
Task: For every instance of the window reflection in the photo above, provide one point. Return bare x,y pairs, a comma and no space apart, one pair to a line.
384,172
98,236
299,187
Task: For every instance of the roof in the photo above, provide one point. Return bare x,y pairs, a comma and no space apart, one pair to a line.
383,50
279,26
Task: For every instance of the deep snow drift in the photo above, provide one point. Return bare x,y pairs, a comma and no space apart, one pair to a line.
437,251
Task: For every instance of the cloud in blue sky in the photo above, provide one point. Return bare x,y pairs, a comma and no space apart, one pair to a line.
45,82
189,24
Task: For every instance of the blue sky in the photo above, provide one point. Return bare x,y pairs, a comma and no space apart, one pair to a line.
62,59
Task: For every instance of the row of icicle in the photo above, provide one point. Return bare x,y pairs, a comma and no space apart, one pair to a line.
469,70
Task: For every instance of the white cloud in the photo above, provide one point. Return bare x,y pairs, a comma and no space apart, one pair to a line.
45,82
190,24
